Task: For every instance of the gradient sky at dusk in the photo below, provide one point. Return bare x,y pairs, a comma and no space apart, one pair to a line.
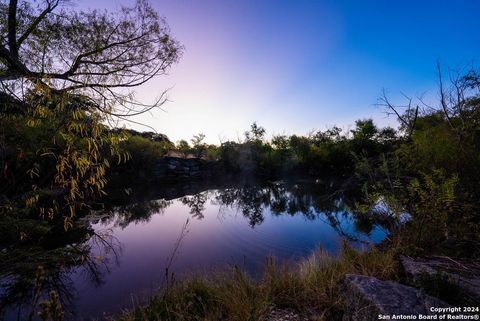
294,66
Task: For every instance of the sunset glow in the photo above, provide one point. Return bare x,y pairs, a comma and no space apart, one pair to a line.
298,66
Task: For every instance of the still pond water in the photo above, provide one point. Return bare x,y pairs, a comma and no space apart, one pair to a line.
196,231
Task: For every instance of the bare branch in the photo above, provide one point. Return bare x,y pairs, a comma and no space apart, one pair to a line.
87,53
443,102
408,119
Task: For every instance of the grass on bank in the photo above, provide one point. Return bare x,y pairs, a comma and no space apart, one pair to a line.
311,287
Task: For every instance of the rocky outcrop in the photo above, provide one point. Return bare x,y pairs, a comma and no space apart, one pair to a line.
464,274
368,297
178,168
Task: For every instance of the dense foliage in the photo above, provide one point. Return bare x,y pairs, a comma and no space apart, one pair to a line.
433,175
64,76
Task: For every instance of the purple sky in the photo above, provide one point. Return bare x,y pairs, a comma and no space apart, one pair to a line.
294,66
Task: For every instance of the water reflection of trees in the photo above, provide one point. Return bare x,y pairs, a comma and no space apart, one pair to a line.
196,203
30,273
277,199
124,215
328,201
248,199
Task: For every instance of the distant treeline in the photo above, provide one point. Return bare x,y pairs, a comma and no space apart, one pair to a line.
329,152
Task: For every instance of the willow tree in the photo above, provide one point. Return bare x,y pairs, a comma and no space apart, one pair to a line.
65,74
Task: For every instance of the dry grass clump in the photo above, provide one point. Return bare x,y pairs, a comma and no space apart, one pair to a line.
311,287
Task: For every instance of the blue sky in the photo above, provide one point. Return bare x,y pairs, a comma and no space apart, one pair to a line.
295,66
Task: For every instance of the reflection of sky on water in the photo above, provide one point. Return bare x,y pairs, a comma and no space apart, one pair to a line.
223,236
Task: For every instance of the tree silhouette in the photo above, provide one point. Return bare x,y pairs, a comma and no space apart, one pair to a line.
97,55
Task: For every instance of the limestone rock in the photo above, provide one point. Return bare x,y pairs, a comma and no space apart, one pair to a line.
460,272
368,297
181,168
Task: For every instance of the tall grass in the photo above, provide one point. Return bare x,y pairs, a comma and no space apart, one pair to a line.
311,287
